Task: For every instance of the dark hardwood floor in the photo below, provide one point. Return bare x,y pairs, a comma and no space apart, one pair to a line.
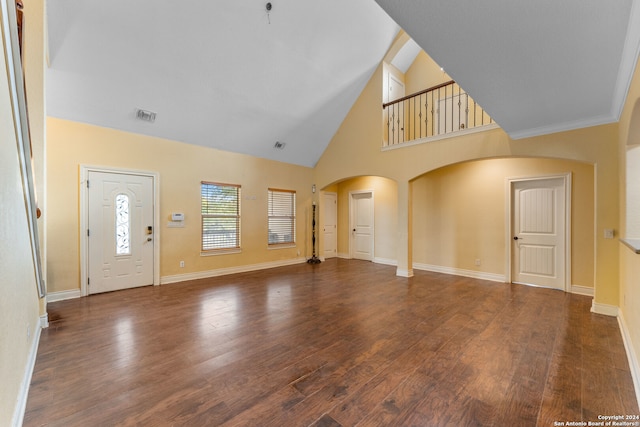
341,343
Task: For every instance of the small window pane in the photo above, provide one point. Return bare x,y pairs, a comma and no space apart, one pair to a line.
220,205
282,216
123,225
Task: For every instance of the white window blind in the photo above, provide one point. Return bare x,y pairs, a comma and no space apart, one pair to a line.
220,216
282,216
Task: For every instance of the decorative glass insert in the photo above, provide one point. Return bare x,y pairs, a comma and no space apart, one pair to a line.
123,225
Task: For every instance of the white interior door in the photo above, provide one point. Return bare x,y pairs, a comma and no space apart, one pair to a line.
362,225
330,228
120,231
539,232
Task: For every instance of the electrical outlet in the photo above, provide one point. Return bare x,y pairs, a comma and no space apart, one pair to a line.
181,264
608,233
477,261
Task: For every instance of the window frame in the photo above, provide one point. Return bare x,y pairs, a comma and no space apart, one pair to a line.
206,250
290,218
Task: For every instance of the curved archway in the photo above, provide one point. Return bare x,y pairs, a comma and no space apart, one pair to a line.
460,217
385,211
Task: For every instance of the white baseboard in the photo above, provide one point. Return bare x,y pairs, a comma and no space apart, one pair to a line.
461,272
343,255
229,270
21,404
385,261
401,272
634,366
606,309
44,321
63,295
581,290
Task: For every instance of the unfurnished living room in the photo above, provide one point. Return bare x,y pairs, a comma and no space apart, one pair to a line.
296,213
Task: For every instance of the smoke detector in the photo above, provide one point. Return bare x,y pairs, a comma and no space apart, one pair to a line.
279,145
145,115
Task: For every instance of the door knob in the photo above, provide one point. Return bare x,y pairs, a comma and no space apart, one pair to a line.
518,238
149,239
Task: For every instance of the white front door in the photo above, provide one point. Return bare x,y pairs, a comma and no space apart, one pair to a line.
362,225
330,228
538,227
120,231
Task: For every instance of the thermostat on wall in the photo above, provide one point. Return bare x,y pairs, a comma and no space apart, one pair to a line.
177,216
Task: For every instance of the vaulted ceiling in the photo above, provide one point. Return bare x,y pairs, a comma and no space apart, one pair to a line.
235,76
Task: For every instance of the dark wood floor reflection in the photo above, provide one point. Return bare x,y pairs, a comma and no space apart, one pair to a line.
341,343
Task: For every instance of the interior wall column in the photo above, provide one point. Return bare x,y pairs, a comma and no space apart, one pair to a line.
405,240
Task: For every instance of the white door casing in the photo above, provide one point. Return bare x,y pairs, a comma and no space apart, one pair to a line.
361,225
330,227
540,231
104,267
396,128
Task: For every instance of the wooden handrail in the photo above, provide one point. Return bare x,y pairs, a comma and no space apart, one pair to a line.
404,98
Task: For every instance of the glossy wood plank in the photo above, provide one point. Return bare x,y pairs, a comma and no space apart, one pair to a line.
341,343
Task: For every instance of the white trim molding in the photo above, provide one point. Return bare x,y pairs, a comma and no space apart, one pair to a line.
21,404
606,309
63,295
461,272
581,290
634,366
176,278
401,272
385,261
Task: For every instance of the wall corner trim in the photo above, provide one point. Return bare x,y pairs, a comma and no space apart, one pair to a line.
634,366
401,272
606,309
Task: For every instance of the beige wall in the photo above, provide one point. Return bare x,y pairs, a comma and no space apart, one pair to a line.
629,301
355,150
181,168
460,212
424,73
19,302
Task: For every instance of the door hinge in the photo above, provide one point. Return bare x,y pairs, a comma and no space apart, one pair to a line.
88,234
88,281
87,183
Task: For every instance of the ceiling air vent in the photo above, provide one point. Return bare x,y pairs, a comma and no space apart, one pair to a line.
279,145
147,116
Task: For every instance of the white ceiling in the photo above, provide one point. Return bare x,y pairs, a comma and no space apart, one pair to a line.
219,74
535,66
230,76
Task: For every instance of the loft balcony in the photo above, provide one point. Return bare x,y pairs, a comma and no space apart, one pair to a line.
441,111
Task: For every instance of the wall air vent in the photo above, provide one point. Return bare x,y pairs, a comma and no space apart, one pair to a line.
279,145
147,116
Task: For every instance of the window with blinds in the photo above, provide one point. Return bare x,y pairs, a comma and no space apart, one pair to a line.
220,216
282,216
